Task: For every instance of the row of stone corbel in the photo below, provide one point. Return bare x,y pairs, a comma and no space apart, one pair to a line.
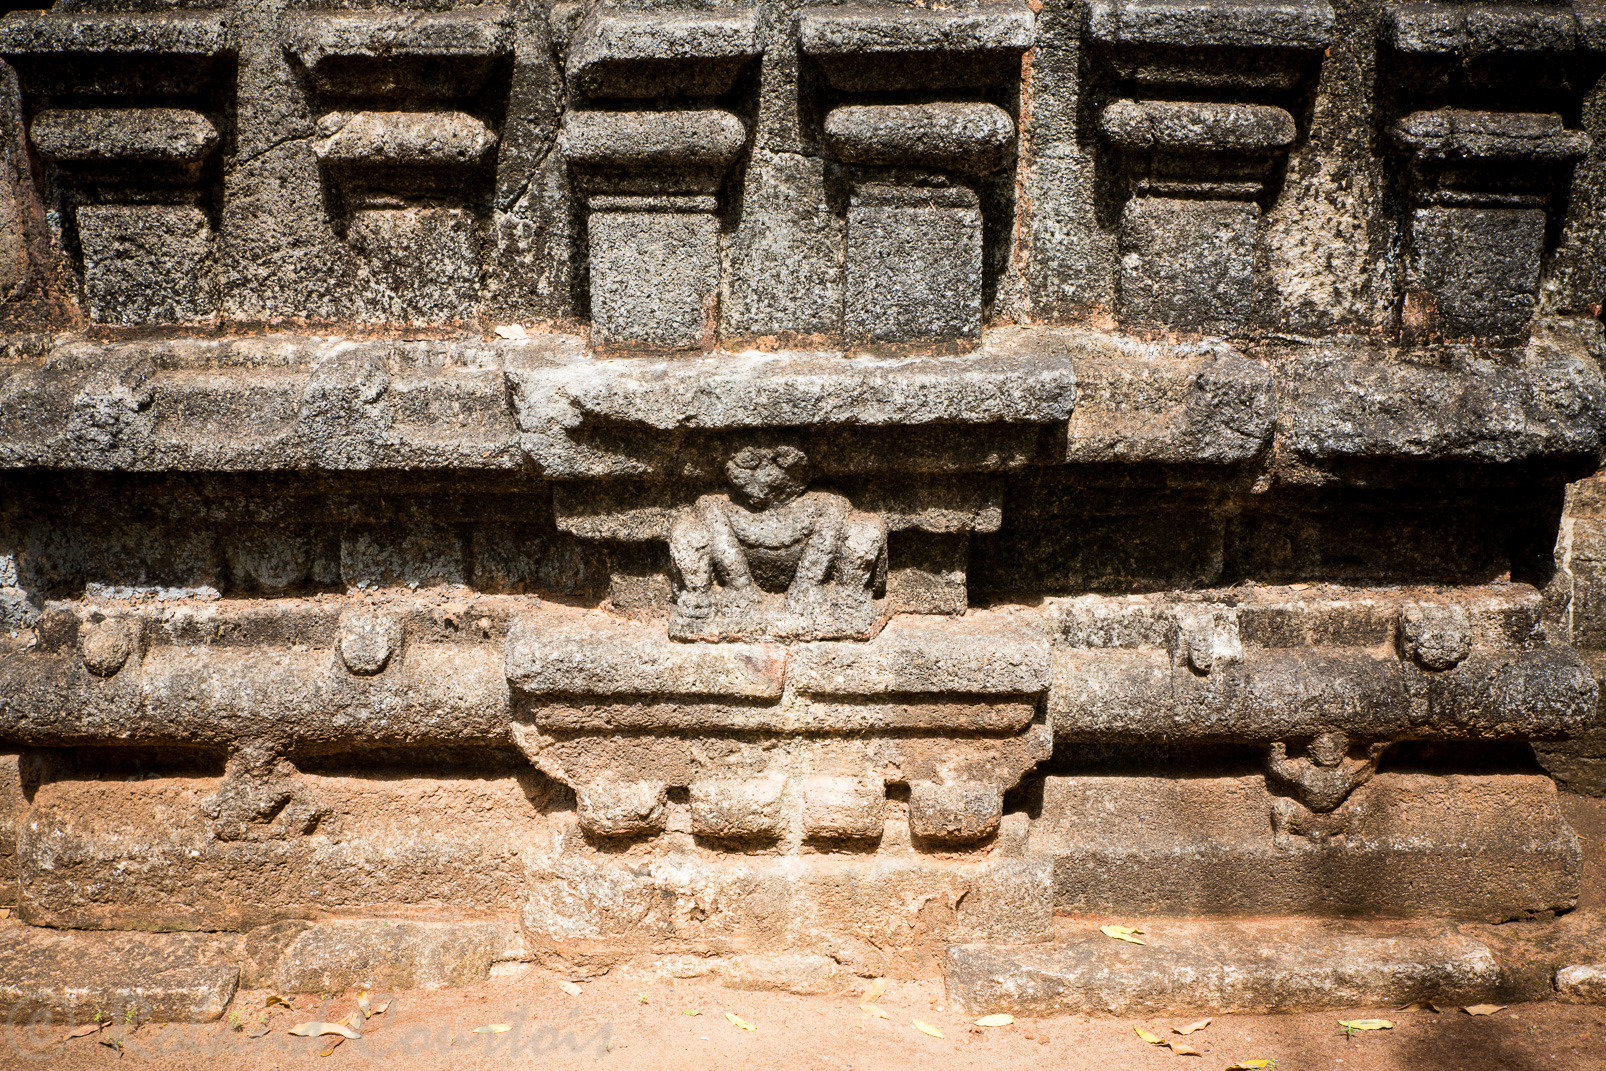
272,403
953,707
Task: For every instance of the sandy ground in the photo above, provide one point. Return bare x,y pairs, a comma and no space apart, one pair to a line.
638,1023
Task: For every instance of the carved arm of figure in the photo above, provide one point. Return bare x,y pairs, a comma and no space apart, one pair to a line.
729,559
806,593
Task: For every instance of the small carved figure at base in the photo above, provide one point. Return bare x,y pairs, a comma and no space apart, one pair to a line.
788,563
1322,779
261,798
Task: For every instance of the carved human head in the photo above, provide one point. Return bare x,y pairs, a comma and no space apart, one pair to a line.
769,475
1328,749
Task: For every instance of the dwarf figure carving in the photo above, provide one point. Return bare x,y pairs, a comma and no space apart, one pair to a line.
1323,779
772,534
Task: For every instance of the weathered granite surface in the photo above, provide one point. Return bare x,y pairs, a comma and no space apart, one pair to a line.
791,488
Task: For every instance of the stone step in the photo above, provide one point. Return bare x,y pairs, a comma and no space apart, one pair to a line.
78,976
1260,965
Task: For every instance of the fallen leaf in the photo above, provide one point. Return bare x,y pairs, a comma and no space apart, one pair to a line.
1184,1050
873,993
1297,587
570,988
738,1022
1122,933
365,1006
1483,1009
492,1028
333,1045
260,1030
354,1020
1192,1028
1249,1065
113,1043
379,1009
511,331
1000,1019
691,1011
875,1010
1146,1036
1366,1024
926,1028
1425,1005
274,998
314,1030
84,1031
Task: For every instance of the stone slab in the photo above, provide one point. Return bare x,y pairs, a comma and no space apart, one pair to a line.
1487,847
977,654
140,853
1266,965
82,977
882,913
603,656
1582,984
340,955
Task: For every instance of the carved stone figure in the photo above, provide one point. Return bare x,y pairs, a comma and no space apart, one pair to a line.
1323,779
771,535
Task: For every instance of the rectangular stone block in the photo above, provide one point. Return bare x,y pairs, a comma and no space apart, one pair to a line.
147,264
87,978
1186,264
877,914
419,265
1472,272
140,854
926,572
602,656
1483,847
979,654
914,262
654,277
1280,965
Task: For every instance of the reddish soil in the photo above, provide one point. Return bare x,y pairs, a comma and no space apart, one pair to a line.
608,1024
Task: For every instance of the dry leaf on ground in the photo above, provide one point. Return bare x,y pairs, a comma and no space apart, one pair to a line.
873,993
1152,1039
315,1030
690,1011
365,1006
1192,1028
493,1028
1483,1009
1248,1065
1122,933
738,1022
1425,1005
84,1031
926,1028
1366,1024
1001,1019
875,1010
1184,1050
274,998
570,988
